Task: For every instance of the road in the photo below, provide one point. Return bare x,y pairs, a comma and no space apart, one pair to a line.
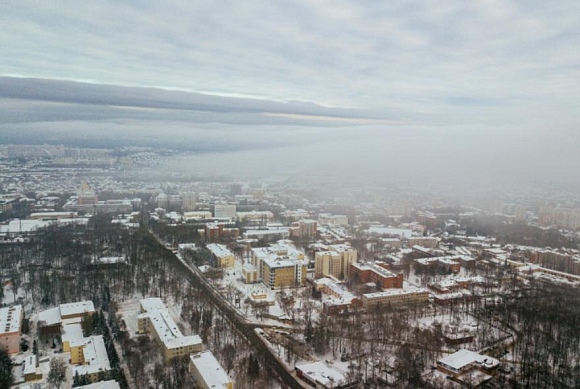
245,327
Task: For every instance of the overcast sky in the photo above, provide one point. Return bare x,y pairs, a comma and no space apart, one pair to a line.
488,79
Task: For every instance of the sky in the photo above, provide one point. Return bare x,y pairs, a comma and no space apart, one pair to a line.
477,88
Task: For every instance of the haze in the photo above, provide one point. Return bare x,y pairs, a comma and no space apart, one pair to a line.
476,92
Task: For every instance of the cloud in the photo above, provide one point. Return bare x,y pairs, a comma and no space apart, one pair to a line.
502,76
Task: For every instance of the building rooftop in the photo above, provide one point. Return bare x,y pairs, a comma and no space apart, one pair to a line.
78,308
392,292
165,327
219,250
151,304
95,355
10,319
464,358
210,370
71,332
111,384
323,374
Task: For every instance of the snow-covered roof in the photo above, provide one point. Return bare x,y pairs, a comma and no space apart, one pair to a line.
95,356
393,292
78,308
71,332
10,319
210,370
151,304
219,250
464,358
165,327
29,365
50,316
111,384
325,375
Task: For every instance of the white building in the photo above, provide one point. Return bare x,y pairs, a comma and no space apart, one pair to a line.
207,372
224,211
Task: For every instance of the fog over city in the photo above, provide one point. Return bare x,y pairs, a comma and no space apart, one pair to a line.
297,194
487,89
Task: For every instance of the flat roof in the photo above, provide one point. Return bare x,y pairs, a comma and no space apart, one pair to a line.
151,304
71,332
322,373
210,370
77,308
219,250
393,292
111,384
462,358
164,325
95,355
10,319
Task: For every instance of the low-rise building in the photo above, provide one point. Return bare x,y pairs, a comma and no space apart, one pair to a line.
448,263
110,384
223,257
156,320
11,328
207,372
89,355
224,211
377,273
424,241
250,273
336,220
320,375
396,297
30,369
463,363
255,216
337,299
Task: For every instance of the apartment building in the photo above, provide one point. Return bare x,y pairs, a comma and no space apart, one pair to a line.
207,372
304,228
223,257
334,261
283,272
11,328
280,264
156,320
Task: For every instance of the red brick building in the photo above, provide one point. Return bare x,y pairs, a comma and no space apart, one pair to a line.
376,272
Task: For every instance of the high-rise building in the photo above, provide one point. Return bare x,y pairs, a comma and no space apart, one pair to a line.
334,261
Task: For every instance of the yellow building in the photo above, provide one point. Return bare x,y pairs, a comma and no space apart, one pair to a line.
250,274
280,273
156,320
208,373
334,261
70,332
224,257
90,357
